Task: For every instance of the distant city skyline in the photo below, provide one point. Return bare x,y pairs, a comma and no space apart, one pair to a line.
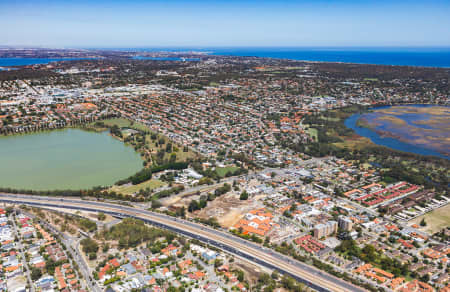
119,23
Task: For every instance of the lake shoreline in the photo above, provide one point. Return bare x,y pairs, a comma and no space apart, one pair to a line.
72,158
384,137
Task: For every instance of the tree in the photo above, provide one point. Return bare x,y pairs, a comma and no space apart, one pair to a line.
169,147
115,130
217,263
287,214
202,203
288,282
35,274
293,207
264,279
181,212
156,204
193,206
275,275
89,245
425,278
50,265
369,253
172,158
101,216
222,190
240,275
172,289
243,196
423,222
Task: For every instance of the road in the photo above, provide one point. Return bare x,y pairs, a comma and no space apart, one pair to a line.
22,255
202,188
309,275
69,243
361,207
229,180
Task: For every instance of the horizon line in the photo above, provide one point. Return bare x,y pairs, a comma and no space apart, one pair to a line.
199,47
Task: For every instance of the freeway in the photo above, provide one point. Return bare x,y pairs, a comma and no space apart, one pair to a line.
309,275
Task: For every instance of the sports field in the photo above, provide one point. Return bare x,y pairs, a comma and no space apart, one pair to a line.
222,171
121,123
436,220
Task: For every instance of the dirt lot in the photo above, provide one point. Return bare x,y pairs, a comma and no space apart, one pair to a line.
182,198
228,209
251,271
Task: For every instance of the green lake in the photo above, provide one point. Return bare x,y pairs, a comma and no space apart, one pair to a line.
65,159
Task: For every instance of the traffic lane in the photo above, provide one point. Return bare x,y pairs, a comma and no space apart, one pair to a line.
162,216
246,256
218,233
194,225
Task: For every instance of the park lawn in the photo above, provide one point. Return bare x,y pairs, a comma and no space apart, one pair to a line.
354,143
312,132
366,165
222,171
120,122
124,123
181,155
330,119
436,219
295,68
129,190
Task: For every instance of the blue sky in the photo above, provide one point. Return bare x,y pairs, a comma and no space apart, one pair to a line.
169,23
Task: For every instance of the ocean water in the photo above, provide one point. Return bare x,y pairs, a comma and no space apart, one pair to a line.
6,62
7,69
165,58
426,57
405,56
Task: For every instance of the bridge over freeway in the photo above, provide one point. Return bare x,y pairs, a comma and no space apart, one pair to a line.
258,254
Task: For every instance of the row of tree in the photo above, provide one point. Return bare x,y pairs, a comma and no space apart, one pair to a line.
146,173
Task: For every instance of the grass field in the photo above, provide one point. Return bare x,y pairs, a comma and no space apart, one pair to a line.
356,143
181,155
312,132
222,171
121,122
436,220
330,119
129,190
